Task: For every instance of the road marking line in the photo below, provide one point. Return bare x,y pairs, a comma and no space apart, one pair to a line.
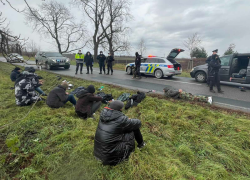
232,105
178,81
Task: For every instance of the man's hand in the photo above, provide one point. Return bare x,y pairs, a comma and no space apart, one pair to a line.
67,93
180,90
41,81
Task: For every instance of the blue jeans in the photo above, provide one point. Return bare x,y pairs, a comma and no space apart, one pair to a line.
71,99
39,90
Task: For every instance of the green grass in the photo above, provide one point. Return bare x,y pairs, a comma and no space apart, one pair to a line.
184,140
185,74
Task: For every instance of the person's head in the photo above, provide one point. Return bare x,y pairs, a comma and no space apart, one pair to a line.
88,53
116,105
30,69
65,85
79,51
109,54
101,52
136,54
165,89
17,69
215,51
91,89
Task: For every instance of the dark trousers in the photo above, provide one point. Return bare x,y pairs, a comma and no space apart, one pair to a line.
215,80
96,106
138,136
137,71
110,67
77,67
102,67
89,66
71,99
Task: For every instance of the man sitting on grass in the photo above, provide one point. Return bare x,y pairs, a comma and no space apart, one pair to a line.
58,96
87,103
115,134
174,93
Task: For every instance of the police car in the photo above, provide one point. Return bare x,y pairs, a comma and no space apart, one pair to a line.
158,66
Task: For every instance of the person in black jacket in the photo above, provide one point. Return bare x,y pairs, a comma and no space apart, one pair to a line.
58,96
209,67
88,103
137,65
15,73
88,59
101,57
110,60
214,73
115,134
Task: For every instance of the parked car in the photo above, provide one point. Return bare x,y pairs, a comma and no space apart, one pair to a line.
159,66
15,58
52,59
234,68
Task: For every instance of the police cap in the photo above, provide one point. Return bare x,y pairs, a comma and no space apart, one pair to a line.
216,50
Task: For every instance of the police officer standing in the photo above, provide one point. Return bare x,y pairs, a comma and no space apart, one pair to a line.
215,65
101,57
137,65
79,61
110,60
209,68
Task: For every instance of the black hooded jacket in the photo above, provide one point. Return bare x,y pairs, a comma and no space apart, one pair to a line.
114,138
214,65
88,59
137,60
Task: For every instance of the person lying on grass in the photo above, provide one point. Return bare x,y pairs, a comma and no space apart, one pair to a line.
116,134
87,103
58,96
174,93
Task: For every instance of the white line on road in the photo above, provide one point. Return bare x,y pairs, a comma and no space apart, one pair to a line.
178,81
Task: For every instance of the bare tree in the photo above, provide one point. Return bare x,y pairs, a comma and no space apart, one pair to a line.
112,23
191,43
53,19
95,11
142,46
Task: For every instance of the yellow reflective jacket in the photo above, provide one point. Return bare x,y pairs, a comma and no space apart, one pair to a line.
79,56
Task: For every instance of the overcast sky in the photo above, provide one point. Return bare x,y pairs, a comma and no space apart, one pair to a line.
165,24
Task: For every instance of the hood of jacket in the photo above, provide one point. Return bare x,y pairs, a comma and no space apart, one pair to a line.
108,115
82,93
60,86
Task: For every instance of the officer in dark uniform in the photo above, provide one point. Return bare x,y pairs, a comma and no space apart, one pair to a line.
110,60
101,58
209,68
214,67
137,65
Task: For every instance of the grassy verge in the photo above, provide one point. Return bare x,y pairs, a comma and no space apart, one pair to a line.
184,141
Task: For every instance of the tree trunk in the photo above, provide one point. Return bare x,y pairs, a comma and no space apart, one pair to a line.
95,51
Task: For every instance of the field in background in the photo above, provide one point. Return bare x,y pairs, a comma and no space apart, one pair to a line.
184,140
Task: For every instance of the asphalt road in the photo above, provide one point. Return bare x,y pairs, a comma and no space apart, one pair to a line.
232,98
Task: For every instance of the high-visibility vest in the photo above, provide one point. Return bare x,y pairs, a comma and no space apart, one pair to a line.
78,56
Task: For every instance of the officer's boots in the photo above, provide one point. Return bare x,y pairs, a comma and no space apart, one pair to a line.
111,73
87,72
100,72
91,72
81,72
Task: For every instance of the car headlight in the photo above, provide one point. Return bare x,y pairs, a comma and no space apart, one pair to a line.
67,60
192,70
54,60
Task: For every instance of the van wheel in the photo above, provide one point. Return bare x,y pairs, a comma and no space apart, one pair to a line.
201,77
47,66
158,74
129,71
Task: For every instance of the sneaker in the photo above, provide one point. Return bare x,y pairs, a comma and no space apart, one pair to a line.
91,72
100,73
141,145
210,100
220,91
107,74
212,91
87,73
80,72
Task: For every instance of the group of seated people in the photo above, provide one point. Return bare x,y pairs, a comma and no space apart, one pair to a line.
116,133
